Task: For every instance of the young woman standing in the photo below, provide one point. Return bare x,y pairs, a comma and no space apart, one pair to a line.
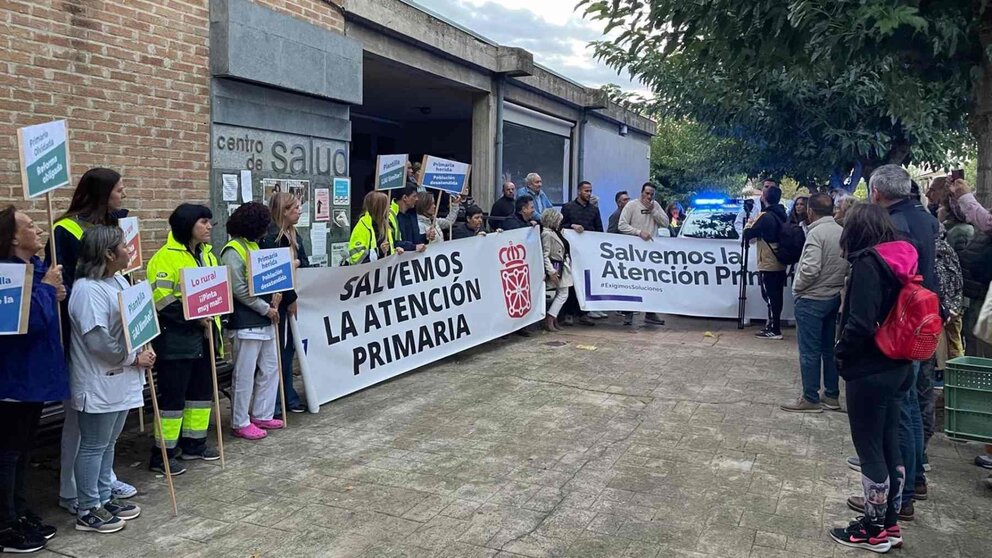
97,200
253,322
880,265
285,210
372,235
557,265
32,371
106,379
185,386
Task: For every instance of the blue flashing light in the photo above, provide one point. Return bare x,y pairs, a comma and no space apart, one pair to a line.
710,201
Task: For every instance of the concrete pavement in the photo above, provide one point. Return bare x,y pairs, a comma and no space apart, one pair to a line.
603,441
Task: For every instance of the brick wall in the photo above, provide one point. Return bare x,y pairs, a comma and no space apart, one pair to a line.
131,77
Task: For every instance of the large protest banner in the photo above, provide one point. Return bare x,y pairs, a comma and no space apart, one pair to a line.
364,324
681,276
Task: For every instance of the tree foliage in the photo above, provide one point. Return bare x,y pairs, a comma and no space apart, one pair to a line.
814,89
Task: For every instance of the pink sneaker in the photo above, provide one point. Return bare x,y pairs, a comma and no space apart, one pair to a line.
271,424
250,432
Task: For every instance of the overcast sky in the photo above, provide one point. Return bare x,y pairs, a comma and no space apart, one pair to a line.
551,29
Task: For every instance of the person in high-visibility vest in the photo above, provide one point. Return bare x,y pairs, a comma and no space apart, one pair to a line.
97,200
285,209
253,322
372,235
185,385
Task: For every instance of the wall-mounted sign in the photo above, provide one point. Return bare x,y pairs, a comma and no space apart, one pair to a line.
342,191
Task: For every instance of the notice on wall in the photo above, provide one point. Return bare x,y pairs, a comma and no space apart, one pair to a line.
318,244
339,252
138,314
270,271
44,155
364,324
299,188
342,191
206,292
341,218
681,276
132,242
15,297
322,204
246,186
390,171
442,174
230,182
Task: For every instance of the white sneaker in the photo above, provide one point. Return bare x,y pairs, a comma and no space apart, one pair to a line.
122,490
598,315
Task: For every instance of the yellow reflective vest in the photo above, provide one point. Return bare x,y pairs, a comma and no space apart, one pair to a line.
363,239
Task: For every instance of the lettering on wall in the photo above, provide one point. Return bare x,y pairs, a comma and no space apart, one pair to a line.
263,151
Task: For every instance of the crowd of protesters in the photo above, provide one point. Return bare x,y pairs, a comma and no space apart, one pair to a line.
855,258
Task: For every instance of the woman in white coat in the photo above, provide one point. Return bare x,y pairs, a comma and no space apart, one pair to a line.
557,265
430,227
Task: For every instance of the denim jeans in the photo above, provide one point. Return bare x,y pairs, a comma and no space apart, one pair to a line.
928,404
98,434
911,435
816,326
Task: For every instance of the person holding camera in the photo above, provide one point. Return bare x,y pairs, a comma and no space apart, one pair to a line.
771,273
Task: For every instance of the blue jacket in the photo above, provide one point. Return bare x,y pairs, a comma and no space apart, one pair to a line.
32,366
541,201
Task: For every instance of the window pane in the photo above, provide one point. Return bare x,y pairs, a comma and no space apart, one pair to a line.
526,150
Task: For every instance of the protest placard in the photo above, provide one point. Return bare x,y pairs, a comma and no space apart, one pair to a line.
270,271
206,292
44,154
132,242
138,315
390,172
15,297
442,174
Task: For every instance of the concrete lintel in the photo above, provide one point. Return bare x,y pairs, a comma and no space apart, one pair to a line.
536,100
386,46
515,62
619,115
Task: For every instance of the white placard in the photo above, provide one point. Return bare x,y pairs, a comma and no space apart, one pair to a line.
367,323
682,276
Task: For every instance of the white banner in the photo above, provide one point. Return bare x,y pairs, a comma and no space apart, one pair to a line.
682,276
364,324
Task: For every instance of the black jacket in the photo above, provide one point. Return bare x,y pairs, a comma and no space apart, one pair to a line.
614,222
976,266
461,230
587,216
409,227
288,297
872,290
767,229
920,228
515,221
503,208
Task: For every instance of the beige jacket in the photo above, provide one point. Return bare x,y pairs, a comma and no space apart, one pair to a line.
822,267
636,218
554,249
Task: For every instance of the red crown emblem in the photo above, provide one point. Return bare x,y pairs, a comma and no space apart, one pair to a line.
515,276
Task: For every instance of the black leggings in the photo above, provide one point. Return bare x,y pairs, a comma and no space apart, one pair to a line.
20,423
772,285
873,411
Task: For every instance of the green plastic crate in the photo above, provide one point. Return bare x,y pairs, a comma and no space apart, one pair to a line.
968,399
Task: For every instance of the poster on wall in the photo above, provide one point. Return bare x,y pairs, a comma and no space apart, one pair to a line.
318,245
342,191
322,204
299,188
339,251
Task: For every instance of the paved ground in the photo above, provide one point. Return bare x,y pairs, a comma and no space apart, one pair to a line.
596,442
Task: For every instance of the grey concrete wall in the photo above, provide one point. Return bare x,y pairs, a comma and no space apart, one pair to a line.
254,43
613,162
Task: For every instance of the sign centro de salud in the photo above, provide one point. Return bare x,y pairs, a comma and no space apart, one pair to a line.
139,316
44,155
442,174
271,271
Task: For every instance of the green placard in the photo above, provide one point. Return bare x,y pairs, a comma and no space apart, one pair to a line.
44,155
139,316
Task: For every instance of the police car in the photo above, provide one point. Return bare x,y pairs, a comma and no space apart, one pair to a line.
712,218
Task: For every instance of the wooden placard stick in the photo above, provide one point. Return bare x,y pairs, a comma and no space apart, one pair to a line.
213,373
161,438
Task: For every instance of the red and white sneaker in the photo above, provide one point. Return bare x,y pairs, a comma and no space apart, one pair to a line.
250,432
894,534
861,533
271,424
